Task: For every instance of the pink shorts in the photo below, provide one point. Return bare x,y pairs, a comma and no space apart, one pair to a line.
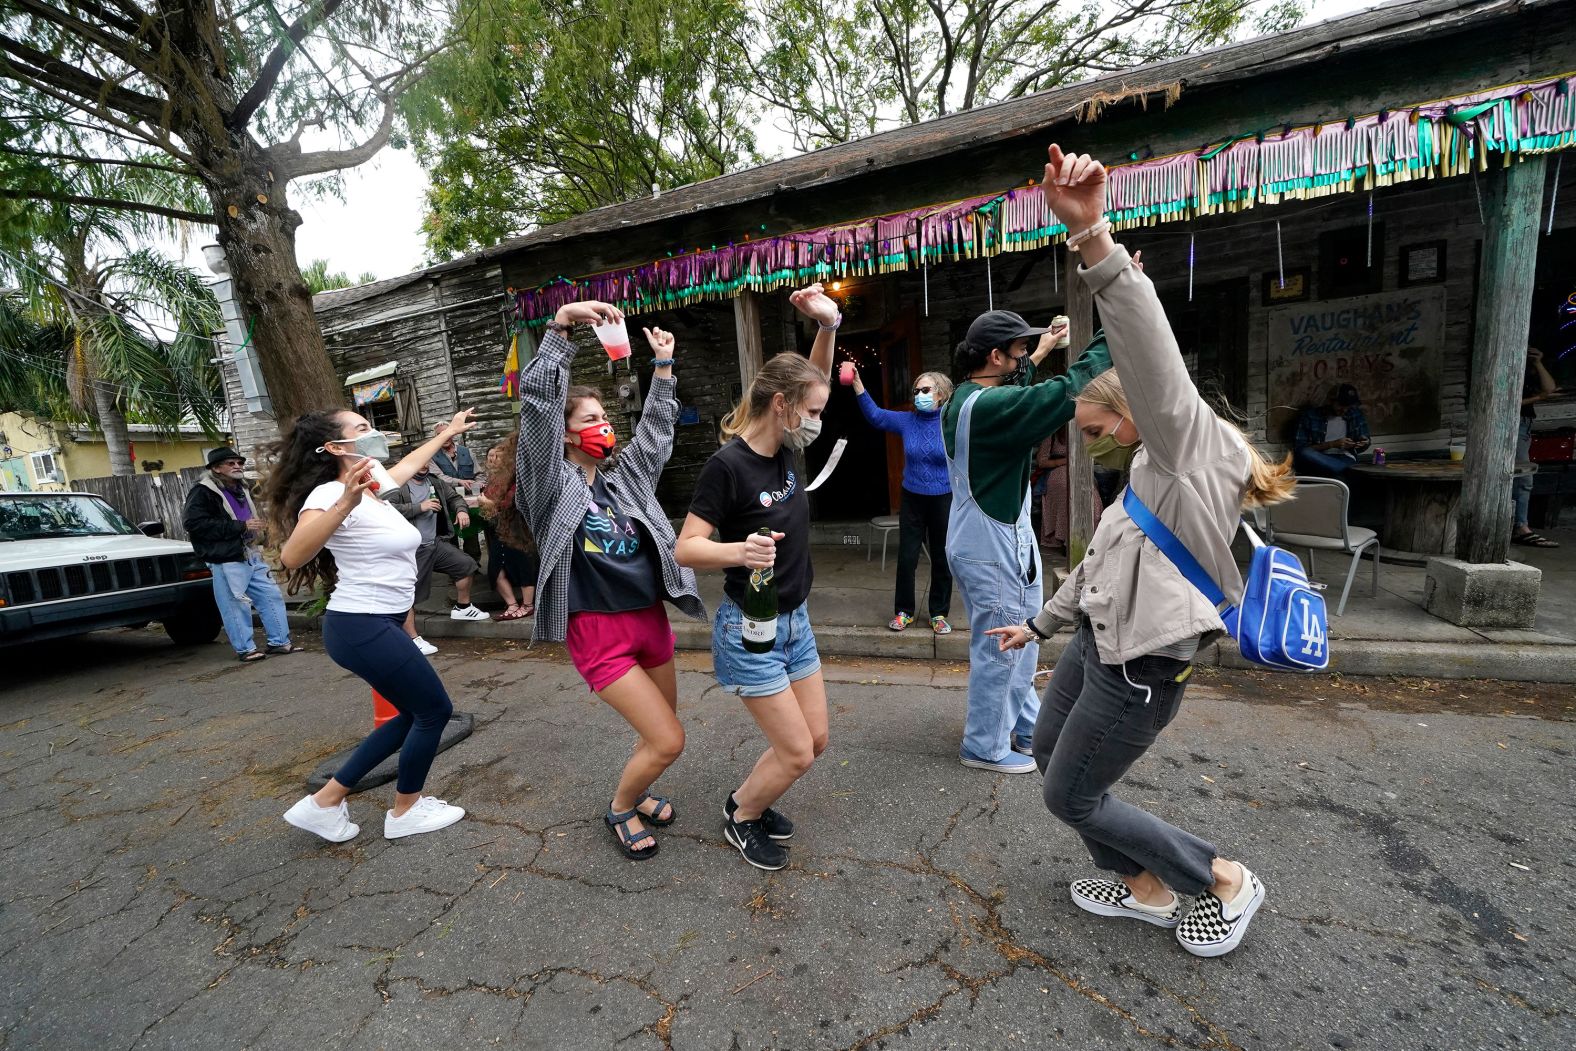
604,646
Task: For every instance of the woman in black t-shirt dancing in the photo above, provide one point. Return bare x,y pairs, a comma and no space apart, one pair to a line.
751,484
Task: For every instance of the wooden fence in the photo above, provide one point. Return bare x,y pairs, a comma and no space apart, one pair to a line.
140,500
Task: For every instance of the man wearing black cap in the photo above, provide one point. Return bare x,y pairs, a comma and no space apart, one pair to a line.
224,528
991,427
1330,436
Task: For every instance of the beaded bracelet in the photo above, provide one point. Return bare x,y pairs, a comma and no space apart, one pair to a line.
1096,230
661,363
833,326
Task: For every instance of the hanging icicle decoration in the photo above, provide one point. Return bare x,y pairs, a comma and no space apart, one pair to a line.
1370,260
1280,258
1477,192
1190,238
1554,194
990,291
1056,271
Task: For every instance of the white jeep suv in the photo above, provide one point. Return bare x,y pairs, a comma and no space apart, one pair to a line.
70,563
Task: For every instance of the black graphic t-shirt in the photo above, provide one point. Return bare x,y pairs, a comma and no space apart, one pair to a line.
613,568
740,491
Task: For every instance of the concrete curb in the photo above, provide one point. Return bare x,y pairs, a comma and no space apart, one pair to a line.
1513,662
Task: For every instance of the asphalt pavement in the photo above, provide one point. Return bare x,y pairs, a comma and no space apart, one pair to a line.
1418,866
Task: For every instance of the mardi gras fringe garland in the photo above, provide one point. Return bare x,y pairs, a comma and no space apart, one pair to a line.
1429,141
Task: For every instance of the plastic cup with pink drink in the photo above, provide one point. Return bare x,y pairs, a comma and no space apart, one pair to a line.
614,336
846,373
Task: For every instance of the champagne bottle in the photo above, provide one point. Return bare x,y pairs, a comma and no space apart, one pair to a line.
760,609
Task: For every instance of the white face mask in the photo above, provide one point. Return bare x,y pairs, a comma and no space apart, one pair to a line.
374,444
801,436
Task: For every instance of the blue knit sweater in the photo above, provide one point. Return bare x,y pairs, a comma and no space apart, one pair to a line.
924,455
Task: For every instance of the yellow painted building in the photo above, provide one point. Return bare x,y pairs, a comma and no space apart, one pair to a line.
40,456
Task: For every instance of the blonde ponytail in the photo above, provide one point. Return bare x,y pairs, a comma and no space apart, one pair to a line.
788,374
1268,482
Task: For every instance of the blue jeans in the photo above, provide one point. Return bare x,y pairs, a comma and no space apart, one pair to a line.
1315,462
745,674
234,582
375,647
1521,487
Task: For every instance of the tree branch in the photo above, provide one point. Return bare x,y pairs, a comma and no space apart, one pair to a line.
108,202
47,69
274,65
48,155
292,163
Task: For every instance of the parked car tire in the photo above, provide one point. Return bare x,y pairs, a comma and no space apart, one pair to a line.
197,622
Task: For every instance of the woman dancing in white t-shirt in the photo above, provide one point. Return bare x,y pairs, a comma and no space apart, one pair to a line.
363,552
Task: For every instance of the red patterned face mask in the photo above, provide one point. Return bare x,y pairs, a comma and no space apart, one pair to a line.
597,441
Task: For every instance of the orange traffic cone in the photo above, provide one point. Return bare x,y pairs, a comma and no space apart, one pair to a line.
382,710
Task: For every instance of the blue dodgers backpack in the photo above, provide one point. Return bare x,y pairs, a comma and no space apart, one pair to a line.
1281,622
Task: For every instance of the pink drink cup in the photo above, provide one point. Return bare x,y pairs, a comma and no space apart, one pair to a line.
614,338
845,374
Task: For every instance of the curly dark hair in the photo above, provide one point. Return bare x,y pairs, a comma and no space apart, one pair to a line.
509,523
295,468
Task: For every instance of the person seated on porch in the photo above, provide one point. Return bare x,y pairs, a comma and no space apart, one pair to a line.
1537,386
927,496
1330,436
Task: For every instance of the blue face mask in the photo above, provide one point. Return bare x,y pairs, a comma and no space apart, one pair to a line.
925,402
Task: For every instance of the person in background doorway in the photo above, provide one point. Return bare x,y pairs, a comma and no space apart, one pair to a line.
512,561
454,462
225,528
927,496
362,552
437,511
1139,623
1538,386
992,427
1330,436
1052,459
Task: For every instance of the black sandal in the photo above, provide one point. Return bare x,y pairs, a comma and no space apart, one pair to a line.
619,823
251,657
661,802
1533,540
287,648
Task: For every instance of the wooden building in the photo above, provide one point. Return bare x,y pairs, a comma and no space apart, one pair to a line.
1317,207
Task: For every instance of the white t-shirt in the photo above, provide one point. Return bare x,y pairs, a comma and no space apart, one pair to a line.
1335,429
374,549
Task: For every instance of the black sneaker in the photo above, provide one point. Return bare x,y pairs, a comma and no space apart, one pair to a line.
756,846
777,826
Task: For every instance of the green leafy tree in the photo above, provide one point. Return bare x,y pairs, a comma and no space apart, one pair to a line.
96,328
549,108
835,70
318,278
222,94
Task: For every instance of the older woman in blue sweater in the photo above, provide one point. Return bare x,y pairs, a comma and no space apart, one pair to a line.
927,496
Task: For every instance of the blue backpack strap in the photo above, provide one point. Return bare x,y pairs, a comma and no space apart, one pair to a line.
1171,547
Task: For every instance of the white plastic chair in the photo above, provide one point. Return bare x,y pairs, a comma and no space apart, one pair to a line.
1316,519
888,525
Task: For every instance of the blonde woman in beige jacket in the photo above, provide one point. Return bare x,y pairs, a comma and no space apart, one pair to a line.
1138,622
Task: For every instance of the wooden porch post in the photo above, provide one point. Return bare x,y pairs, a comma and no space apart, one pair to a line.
1080,470
1511,198
747,333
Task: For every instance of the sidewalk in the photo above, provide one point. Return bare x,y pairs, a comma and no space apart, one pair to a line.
1387,634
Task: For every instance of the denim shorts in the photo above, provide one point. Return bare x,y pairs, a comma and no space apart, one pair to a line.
747,674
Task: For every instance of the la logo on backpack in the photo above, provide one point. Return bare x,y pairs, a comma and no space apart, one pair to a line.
1281,621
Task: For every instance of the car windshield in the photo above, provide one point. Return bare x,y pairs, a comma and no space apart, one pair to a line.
41,516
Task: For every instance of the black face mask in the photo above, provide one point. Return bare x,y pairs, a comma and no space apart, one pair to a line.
1019,376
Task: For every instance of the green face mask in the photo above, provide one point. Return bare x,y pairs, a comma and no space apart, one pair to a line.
1108,452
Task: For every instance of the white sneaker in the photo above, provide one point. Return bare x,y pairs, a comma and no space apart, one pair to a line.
427,648
469,613
333,823
428,815
1215,927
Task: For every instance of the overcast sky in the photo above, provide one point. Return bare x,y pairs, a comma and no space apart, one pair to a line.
377,227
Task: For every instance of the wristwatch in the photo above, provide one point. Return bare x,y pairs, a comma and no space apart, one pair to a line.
557,326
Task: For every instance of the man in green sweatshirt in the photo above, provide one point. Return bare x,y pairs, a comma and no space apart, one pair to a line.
991,427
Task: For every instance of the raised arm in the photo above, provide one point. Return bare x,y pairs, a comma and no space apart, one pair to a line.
815,304
405,470
1167,410
879,418
652,445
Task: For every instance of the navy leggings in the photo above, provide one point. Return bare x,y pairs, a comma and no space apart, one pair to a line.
375,647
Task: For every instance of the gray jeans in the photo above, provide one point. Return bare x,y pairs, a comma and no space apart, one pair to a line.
1095,721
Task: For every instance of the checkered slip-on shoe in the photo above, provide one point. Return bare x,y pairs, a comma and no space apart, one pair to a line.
1214,928
1105,897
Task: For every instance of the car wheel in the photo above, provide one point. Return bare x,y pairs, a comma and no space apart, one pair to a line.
196,622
